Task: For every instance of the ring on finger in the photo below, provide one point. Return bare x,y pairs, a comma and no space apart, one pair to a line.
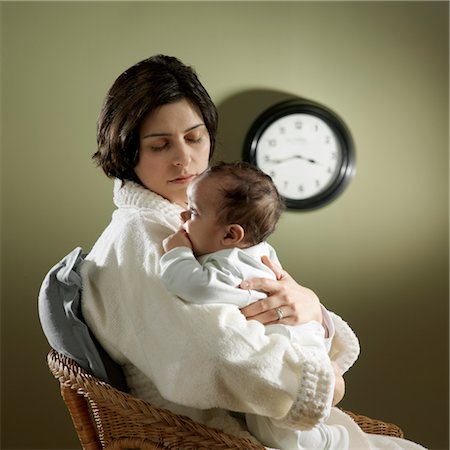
279,312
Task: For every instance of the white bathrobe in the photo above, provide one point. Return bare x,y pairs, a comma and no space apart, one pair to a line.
216,277
199,360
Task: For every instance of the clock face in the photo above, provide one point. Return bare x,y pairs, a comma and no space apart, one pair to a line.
301,153
305,148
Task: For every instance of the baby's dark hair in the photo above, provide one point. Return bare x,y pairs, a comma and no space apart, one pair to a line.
249,198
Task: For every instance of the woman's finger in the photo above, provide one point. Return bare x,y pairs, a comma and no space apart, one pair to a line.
283,315
266,285
258,308
277,270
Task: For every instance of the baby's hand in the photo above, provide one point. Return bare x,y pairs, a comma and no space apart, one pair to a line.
178,239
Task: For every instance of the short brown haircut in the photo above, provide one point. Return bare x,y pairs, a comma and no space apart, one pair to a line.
249,198
139,90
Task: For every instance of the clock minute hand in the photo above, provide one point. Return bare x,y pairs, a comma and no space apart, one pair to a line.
312,161
279,161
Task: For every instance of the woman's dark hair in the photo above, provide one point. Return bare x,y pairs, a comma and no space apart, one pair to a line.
141,89
249,198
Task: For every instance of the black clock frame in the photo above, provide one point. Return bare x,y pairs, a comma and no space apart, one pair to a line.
295,106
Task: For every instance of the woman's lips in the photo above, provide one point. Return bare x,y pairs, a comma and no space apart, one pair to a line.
183,180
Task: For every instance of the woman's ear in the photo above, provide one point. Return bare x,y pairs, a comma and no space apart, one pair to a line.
234,234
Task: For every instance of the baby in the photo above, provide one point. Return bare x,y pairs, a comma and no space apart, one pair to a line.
233,208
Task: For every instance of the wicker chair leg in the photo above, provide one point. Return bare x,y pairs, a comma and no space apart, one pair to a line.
81,417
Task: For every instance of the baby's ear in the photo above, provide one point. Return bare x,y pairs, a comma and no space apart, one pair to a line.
234,234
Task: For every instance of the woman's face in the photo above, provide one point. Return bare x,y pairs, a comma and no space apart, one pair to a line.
174,148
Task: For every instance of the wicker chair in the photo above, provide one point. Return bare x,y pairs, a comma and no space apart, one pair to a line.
106,418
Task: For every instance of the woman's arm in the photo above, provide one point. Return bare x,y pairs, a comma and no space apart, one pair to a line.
197,356
339,387
345,347
300,305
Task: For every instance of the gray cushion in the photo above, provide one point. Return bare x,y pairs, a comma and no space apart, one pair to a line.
63,324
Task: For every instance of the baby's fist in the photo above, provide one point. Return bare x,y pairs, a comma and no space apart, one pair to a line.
177,239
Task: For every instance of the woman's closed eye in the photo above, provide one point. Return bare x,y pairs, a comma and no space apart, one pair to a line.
194,137
159,145
163,144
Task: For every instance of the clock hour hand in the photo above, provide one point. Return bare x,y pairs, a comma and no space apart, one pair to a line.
279,161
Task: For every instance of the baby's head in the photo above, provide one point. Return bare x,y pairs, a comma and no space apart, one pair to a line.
231,205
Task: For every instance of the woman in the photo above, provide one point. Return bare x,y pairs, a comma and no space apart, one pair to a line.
156,133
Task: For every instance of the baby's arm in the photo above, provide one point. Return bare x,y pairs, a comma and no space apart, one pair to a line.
193,282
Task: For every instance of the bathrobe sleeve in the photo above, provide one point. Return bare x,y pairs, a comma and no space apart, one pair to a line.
345,347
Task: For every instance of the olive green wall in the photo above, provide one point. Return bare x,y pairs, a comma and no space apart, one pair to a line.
378,255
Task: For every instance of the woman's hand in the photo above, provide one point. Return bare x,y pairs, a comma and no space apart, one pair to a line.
287,302
339,388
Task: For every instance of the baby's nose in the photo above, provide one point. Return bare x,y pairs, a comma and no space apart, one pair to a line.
185,215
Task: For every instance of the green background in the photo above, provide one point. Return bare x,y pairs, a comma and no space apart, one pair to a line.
378,255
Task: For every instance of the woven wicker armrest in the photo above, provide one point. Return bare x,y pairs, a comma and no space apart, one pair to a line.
113,419
106,418
375,426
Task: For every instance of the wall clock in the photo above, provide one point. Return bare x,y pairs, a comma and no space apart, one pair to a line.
307,150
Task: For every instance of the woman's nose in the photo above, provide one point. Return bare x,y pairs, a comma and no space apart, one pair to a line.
183,154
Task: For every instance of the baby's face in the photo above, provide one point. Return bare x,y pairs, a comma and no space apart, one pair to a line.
200,219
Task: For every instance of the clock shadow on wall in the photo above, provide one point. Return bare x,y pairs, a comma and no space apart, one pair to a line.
303,145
